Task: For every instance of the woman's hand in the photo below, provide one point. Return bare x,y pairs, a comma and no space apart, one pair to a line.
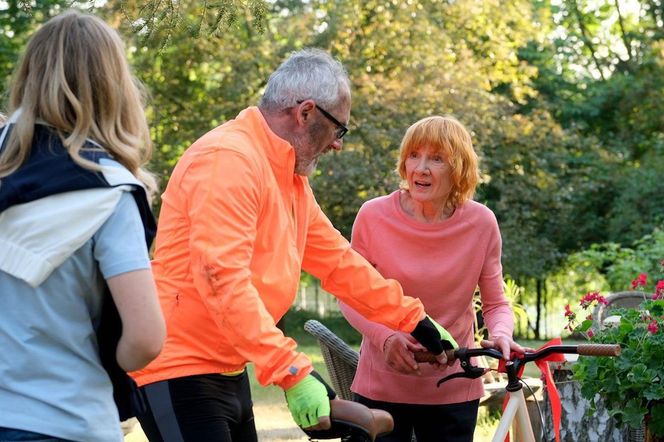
398,352
505,345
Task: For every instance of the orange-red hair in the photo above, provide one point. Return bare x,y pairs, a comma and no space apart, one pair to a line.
449,137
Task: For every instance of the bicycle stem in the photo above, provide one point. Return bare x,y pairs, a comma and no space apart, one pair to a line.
512,371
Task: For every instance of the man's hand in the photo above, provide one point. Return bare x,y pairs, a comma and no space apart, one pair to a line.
309,404
435,338
398,351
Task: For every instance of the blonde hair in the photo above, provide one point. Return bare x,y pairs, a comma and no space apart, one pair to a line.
74,76
449,137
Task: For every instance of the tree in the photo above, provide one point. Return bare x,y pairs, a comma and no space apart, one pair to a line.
18,19
158,22
567,123
603,80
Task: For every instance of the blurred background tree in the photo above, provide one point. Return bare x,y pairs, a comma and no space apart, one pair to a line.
564,100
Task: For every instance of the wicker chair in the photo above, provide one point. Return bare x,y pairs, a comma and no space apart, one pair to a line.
341,362
340,359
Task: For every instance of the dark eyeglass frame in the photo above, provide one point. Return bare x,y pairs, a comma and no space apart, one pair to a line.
341,128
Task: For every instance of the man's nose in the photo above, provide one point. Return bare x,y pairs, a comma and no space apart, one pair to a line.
337,144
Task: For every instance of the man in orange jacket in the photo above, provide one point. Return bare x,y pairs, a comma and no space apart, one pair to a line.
238,223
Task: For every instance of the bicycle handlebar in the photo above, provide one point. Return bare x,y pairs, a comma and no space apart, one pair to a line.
581,349
599,349
470,371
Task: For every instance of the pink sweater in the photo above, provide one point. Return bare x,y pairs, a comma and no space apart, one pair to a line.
442,264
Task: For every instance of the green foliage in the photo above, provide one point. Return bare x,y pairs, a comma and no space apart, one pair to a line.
528,190
602,78
638,207
631,386
513,293
569,157
616,264
294,325
18,19
158,22
197,79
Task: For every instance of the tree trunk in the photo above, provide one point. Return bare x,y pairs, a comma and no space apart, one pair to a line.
585,38
538,316
623,31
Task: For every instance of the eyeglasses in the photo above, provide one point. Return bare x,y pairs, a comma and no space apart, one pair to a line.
341,128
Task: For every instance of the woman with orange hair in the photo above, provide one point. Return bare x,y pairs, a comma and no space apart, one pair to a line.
441,246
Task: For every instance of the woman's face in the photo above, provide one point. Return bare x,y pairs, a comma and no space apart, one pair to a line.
428,176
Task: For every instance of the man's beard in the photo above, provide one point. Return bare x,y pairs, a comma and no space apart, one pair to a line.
307,169
305,160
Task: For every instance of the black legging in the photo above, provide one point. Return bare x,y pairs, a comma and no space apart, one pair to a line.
202,408
431,423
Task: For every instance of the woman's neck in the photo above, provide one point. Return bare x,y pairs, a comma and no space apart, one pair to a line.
429,213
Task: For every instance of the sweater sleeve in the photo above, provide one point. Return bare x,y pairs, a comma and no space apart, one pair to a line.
348,276
496,309
224,215
374,332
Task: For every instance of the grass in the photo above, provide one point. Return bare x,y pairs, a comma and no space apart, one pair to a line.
294,327
274,395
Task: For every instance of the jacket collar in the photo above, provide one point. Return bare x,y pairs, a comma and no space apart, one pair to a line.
279,152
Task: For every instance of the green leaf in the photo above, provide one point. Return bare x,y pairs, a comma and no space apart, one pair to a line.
585,325
654,392
633,413
656,422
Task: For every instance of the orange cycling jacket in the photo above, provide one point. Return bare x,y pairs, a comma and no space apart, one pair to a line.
236,227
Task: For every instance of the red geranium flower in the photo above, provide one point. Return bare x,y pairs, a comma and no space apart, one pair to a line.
590,297
659,290
640,281
569,313
652,327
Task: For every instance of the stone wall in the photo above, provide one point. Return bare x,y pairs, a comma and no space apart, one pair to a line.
576,425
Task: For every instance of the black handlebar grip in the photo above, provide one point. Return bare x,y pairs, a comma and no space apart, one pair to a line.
599,349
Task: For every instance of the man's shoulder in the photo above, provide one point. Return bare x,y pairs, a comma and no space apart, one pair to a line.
230,136
226,140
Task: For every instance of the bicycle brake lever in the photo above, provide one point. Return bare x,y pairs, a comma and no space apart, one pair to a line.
459,374
469,371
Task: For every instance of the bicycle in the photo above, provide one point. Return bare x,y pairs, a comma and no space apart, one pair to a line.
515,412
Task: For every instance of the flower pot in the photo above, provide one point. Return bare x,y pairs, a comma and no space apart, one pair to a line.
636,434
642,434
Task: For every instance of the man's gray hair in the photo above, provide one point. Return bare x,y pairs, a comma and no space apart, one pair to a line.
307,74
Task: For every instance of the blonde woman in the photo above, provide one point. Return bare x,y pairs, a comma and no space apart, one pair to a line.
440,245
75,222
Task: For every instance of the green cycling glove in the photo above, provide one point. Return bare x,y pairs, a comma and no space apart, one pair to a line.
433,336
307,401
